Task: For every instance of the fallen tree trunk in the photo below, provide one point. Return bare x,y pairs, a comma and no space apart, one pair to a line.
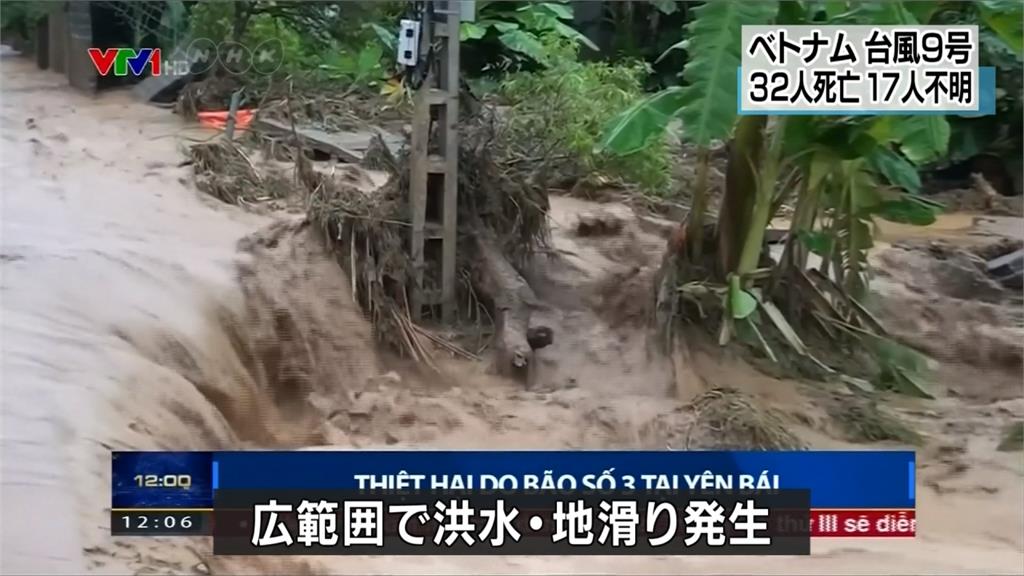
513,301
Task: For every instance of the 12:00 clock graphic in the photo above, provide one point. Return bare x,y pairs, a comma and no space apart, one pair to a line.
183,481
161,493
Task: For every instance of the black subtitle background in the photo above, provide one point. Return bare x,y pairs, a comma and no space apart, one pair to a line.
788,522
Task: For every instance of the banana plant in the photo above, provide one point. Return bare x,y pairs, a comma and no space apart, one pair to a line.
848,170
705,104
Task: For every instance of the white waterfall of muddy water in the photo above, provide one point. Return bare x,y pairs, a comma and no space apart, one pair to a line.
132,321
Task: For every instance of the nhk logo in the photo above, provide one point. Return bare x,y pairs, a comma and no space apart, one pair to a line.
201,55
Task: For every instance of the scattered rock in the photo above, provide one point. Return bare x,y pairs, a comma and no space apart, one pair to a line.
962,275
200,568
391,377
599,223
997,248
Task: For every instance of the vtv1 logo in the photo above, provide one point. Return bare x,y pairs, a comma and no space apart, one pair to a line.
198,58
125,61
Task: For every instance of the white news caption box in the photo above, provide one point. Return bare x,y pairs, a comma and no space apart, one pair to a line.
770,86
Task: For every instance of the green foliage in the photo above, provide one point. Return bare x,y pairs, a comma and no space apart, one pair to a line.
520,27
313,51
632,130
900,368
895,168
1001,42
999,33
174,24
364,67
910,209
1004,18
922,139
20,17
863,151
296,54
858,200
564,106
707,103
212,20
1012,438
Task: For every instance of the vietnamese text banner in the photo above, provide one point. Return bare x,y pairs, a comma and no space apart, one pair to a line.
836,480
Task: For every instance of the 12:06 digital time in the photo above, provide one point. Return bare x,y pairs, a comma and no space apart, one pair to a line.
183,481
157,522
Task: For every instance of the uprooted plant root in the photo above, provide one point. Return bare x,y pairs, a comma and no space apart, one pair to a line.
727,419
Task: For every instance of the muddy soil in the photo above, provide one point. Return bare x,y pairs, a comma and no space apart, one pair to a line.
139,314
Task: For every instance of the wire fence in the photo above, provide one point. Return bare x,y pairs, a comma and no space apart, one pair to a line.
162,23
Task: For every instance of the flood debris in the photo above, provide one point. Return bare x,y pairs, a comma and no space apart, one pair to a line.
223,170
983,273
861,420
1008,269
942,300
502,221
727,419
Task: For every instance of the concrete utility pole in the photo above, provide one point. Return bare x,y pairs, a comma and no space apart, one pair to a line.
434,166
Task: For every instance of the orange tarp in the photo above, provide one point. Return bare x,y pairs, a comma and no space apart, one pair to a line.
219,119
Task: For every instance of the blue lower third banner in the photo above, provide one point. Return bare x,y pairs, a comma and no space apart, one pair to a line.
576,502
841,479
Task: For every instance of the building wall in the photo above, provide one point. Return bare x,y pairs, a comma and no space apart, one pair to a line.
80,71
58,32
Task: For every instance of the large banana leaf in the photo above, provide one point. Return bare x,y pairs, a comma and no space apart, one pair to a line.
887,13
922,139
710,73
707,104
909,209
853,214
895,168
635,128
1006,19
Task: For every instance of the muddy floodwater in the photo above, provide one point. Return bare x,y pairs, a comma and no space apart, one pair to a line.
138,314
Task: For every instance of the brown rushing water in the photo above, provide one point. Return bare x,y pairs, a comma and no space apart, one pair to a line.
132,319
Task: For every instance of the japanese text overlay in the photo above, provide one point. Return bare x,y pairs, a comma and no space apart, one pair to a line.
859,69
474,522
